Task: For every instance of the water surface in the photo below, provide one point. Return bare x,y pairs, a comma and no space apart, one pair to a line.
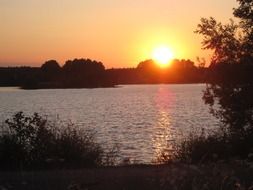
141,119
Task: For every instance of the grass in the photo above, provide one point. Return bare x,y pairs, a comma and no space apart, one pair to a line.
31,142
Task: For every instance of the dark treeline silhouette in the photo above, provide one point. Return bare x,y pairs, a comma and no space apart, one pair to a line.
77,73
148,72
18,76
85,73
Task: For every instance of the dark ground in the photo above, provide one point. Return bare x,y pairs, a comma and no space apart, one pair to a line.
173,176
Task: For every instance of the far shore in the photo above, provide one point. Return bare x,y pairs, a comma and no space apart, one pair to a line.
115,86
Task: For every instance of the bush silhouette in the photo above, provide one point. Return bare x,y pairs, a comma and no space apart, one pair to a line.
32,142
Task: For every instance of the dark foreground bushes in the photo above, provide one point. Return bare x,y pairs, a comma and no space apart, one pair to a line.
203,148
32,142
214,147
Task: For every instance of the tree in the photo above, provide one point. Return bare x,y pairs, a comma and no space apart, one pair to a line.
245,13
84,73
51,71
148,66
221,39
229,90
50,66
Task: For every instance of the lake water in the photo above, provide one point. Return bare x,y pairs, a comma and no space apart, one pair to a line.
142,120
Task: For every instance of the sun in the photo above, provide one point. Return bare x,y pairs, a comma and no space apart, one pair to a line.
162,55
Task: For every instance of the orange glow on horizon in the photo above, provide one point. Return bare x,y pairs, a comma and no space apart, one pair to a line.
117,33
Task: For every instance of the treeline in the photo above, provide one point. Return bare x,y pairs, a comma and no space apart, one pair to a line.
85,73
77,73
148,72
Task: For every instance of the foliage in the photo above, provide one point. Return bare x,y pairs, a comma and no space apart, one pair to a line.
229,90
50,66
86,73
230,85
77,73
80,73
178,71
32,142
245,13
203,148
221,39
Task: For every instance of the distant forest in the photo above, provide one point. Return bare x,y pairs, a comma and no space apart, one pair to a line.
85,73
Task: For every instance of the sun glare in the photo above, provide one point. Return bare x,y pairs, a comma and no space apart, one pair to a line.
162,55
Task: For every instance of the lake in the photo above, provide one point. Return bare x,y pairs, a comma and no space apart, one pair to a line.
142,120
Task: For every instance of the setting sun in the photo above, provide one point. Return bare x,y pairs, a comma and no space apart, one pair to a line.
162,55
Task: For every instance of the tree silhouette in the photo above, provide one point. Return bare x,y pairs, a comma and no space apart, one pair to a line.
51,72
81,73
147,66
50,66
85,73
245,13
221,39
229,90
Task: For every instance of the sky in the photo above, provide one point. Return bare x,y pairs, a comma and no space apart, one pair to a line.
119,33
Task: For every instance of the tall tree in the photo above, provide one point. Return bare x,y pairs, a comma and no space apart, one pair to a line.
229,91
245,13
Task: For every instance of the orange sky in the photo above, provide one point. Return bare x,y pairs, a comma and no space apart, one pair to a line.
120,33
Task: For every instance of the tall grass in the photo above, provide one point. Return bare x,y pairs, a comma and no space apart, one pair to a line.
203,148
33,142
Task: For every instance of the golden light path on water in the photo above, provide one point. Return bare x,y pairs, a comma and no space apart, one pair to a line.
163,139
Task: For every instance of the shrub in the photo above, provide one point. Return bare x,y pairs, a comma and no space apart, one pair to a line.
201,148
32,142
211,148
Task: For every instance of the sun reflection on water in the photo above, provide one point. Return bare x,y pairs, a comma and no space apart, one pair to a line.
162,139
